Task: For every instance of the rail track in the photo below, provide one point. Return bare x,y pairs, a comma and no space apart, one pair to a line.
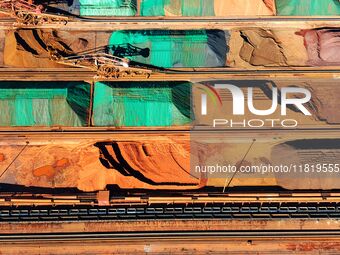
190,235
236,19
136,197
190,19
176,242
176,23
197,74
115,133
224,23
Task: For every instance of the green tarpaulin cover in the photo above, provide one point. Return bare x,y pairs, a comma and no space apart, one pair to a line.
307,7
177,7
44,103
142,104
107,7
199,48
115,104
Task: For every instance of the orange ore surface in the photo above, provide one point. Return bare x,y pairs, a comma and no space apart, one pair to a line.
92,165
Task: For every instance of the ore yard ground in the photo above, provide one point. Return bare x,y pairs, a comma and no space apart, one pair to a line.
274,223
284,242
278,242
245,219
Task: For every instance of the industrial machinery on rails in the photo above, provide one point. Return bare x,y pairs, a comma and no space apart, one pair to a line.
26,13
108,62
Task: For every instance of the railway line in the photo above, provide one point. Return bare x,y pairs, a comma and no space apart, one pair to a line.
102,132
133,197
202,23
192,235
176,23
92,136
172,242
195,75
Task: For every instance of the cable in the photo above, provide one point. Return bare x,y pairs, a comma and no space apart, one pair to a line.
27,142
232,177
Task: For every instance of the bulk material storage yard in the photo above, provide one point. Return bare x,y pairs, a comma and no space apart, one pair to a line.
209,7
249,48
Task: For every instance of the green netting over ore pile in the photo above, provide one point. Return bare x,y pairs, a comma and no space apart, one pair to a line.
108,7
142,104
177,7
44,104
307,7
193,48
